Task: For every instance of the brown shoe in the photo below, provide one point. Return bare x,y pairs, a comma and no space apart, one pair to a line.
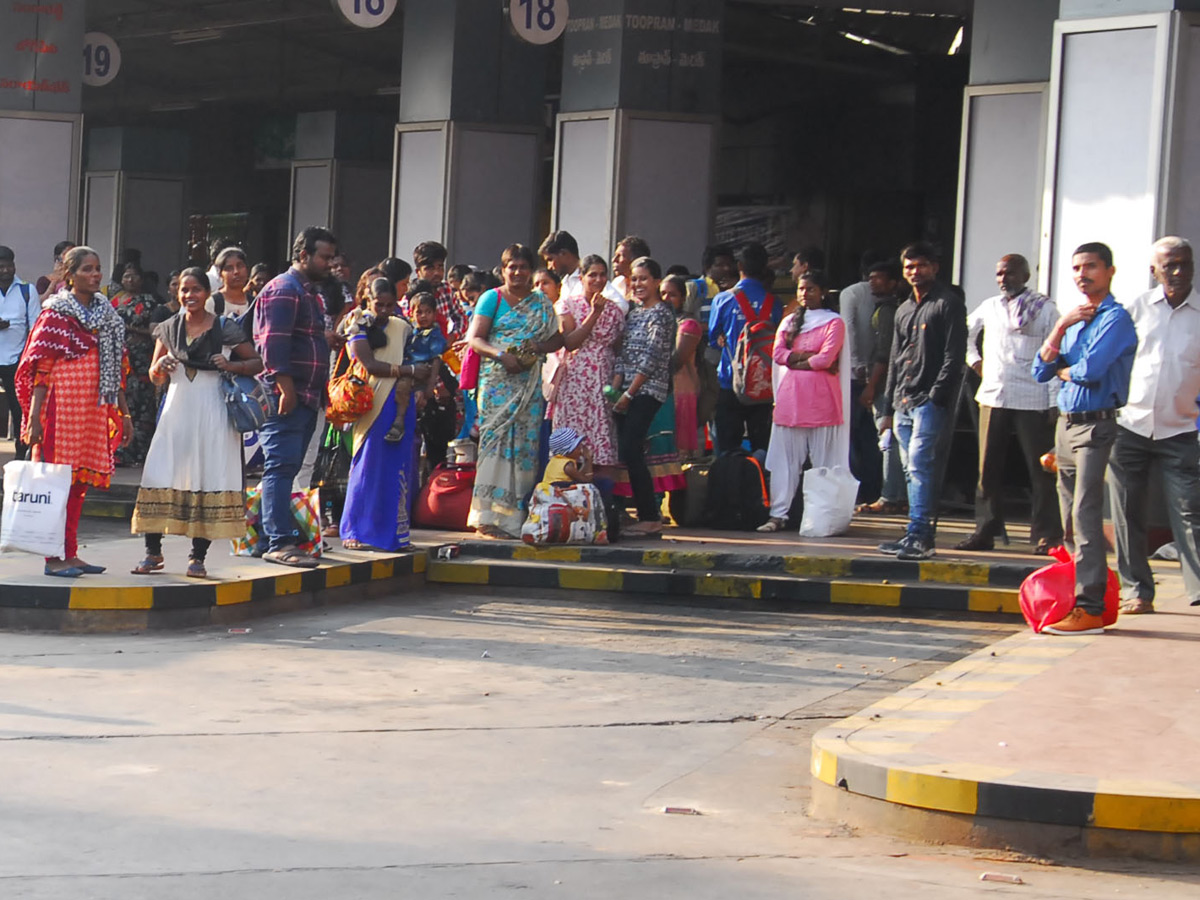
1076,622
1137,607
977,542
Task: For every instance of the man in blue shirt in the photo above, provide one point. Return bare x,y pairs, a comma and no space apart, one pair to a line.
1091,349
726,321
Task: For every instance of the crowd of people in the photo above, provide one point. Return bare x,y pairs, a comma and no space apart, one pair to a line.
606,374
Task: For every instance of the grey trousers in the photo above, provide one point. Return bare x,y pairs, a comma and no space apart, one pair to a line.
1083,453
1128,480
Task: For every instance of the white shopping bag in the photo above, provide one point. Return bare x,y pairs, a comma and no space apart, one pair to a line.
829,495
34,518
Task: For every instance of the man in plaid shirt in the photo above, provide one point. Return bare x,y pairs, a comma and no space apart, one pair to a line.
289,335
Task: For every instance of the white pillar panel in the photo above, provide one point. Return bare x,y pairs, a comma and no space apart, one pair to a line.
312,195
1106,183
583,183
1000,183
1184,201
495,171
100,217
667,170
419,209
152,219
39,177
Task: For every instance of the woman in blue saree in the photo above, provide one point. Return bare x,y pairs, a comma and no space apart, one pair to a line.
379,489
513,329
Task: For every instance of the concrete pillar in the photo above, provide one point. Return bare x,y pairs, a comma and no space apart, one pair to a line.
135,195
468,146
637,134
41,74
1001,172
341,178
1124,112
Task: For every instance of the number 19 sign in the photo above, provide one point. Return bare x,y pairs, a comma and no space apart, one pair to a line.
101,59
539,21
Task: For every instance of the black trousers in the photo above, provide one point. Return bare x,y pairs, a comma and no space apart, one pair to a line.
8,379
1034,430
199,547
632,427
735,420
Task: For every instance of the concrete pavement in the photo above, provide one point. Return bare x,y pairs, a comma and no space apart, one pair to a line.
469,745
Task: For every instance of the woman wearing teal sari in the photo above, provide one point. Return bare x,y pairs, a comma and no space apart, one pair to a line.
513,328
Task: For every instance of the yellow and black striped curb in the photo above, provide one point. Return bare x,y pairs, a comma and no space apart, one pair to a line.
882,752
175,597
868,568
774,592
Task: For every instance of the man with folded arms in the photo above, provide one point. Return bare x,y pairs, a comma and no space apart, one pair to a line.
1159,424
1091,351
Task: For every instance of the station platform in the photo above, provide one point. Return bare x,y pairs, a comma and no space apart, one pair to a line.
744,569
1053,746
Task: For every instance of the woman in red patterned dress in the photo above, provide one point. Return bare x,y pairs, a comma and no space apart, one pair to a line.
71,384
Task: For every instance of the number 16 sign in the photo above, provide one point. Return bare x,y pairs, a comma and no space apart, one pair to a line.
539,21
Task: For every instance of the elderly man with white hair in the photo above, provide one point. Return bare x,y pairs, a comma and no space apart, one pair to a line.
1159,424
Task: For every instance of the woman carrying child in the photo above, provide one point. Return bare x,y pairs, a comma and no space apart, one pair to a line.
379,491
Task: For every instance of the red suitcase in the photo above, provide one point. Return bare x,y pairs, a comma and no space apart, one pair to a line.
445,500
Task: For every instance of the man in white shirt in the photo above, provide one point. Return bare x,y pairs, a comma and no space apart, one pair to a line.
1011,402
1158,423
19,307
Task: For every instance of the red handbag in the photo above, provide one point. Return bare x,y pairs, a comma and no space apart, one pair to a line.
445,501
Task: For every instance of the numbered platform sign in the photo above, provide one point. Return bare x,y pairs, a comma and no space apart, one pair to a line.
539,21
366,13
101,59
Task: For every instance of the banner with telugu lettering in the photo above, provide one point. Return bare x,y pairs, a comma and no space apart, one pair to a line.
652,55
41,55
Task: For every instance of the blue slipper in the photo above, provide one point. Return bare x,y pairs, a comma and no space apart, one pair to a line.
73,572
92,570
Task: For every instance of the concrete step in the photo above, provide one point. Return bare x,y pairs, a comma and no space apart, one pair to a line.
772,560
782,592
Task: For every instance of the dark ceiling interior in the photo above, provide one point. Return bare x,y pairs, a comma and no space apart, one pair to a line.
294,55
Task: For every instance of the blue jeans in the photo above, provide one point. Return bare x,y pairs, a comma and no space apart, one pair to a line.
917,433
283,439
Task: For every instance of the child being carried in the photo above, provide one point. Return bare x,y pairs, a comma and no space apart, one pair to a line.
424,348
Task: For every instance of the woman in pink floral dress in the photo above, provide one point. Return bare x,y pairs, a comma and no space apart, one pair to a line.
591,326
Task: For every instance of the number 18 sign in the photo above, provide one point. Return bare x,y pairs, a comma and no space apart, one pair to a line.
366,13
539,21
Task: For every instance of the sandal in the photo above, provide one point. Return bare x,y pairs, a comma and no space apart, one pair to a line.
882,507
329,531
351,544
148,566
291,556
1137,607
772,524
196,570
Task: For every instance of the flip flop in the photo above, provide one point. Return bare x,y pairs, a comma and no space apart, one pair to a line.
147,566
291,556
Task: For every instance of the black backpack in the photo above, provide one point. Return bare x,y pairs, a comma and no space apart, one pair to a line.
738,499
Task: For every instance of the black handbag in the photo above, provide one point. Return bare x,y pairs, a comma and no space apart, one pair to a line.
246,400
331,471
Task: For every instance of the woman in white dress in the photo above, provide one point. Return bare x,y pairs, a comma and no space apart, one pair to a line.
192,479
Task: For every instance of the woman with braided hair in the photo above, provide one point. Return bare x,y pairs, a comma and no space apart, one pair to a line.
808,397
